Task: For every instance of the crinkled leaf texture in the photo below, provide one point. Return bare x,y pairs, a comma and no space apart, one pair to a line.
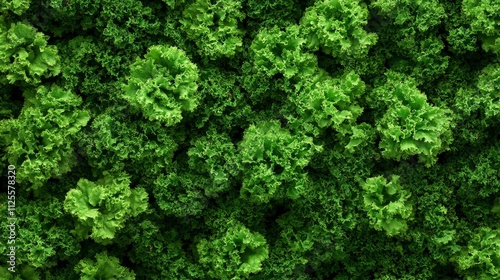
423,14
210,171
115,141
18,7
489,87
213,25
337,27
44,233
427,59
272,161
324,102
386,204
214,156
24,273
163,85
104,206
104,267
234,253
40,140
174,3
181,193
281,52
480,175
24,54
481,258
483,18
411,126
225,100
482,97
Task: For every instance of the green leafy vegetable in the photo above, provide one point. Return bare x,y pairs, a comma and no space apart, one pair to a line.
16,6
25,55
273,160
214,26
104,267
40,140
411,126
480,14
255,139
336,26
239,252
481,258
282,52
104,206
386,204
163,85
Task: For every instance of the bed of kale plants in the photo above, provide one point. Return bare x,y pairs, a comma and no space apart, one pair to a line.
250,139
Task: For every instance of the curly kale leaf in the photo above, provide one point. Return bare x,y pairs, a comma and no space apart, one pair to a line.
163,85
214,155
269,13
421,14
483,18
104,206
424,60
411,126
489,87
481,258
104,267
234,253
337,27
180,192
386,204
115,141
213,25
25,55
43,231
40,140
281,52
174,3
226,106
18,7
272,161
325,102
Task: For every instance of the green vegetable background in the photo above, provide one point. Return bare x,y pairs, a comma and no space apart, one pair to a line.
251,139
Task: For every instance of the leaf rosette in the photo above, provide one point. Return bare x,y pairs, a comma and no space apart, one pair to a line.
163,85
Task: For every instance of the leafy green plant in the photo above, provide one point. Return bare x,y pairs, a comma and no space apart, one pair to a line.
489,86
40,140
216,155
104,206
115,143
282,52
324,102
163,85
387,205
272,161
25,55
104,267
16,6
421,14
181,193
214,26
480,259
336,27
479,13
411,126
239,252
256,139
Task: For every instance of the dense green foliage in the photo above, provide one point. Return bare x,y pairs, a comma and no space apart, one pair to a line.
104,206
251,139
